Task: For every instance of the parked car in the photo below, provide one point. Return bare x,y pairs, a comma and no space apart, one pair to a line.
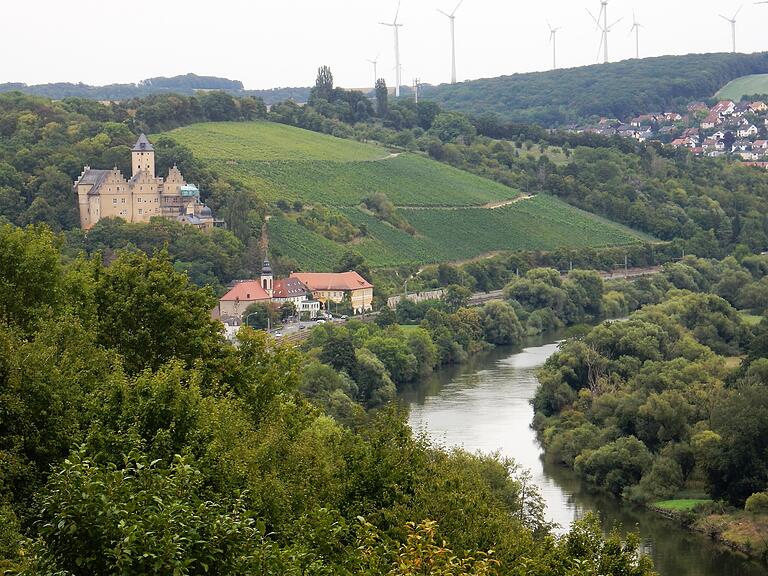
320,321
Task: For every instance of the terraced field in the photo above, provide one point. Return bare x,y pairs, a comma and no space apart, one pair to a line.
541,223
445,205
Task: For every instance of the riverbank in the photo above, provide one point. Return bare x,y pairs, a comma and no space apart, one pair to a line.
741,531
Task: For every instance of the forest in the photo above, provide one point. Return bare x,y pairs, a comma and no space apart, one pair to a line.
135,439
615,90
186,85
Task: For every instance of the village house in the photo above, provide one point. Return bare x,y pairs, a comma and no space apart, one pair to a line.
723,108
107,194
758,107
748,131
710,122
335,287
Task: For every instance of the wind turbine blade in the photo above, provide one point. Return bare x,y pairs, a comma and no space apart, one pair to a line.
737,11
724,18
443,13
597,22
616,22
457,7
397,12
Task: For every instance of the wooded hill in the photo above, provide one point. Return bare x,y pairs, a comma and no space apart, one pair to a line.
187,85
617,90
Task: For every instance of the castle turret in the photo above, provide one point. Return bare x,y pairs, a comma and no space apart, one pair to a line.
267,280
143,157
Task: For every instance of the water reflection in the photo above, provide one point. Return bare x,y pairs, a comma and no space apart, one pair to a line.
485,405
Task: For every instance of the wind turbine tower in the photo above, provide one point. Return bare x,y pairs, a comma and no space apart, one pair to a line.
398,70
733,26
603,27
636,29
375,63
553,40
452,18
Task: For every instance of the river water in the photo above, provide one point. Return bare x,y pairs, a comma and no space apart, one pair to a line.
484,405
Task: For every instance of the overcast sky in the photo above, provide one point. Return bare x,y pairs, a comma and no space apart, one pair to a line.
281,43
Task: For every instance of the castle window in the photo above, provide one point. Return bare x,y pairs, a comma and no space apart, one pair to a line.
141,211
122,200
114,201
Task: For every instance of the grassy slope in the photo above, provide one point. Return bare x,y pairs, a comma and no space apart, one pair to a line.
283,162
735,89
442,203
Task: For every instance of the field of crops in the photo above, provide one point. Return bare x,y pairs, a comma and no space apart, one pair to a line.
286,163
541,223
746,85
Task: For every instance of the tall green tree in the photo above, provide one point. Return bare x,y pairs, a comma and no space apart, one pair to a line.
323,89
150,313
382,98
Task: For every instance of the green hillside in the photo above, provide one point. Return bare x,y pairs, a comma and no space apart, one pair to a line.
283,162
446,206
619,89
744,86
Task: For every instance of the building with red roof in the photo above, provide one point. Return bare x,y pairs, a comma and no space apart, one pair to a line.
242,295
336,286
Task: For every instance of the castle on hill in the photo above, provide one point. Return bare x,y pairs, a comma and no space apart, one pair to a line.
107,194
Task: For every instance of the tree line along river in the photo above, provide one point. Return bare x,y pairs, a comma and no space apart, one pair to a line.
485,405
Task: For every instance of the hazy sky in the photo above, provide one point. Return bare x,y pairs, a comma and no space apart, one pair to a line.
281,43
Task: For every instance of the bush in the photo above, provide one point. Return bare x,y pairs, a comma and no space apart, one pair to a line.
757,503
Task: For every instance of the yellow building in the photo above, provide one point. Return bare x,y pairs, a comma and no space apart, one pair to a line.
107,194
333,287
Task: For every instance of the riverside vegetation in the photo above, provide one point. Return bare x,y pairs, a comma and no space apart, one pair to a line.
134,439
669,407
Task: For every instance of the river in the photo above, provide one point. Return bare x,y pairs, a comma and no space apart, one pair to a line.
484,405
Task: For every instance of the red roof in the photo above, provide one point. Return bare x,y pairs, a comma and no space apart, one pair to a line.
342,281
247,291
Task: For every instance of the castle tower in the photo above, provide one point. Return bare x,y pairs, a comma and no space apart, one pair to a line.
266,277
143,157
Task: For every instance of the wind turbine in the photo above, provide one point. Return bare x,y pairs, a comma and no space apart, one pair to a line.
733,26
553,40
604,28
396,27
636,29
375,63
452,18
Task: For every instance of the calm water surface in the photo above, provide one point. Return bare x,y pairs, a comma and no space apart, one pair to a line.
485,406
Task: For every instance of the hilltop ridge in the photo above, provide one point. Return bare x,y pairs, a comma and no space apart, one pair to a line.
616,90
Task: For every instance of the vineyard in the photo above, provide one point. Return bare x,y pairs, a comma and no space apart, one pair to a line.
268,141
444,204
541,223
287,163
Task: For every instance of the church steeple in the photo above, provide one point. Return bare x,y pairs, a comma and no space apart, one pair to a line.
267,280
143,157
